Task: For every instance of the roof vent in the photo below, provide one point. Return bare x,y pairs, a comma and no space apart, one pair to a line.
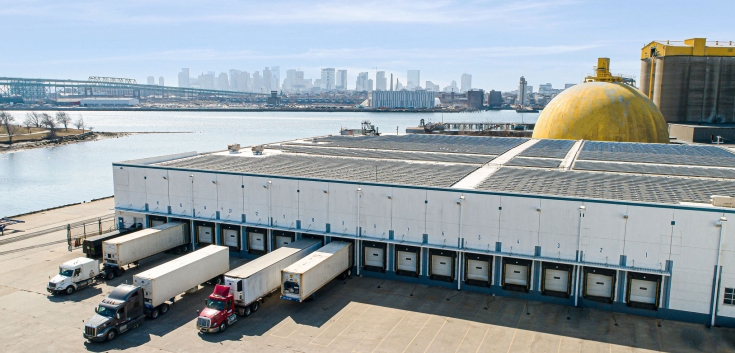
235,147
257,149
722,201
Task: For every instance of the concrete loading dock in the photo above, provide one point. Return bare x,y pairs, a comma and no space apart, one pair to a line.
592,218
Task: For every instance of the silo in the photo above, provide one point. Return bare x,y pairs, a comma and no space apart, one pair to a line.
644,84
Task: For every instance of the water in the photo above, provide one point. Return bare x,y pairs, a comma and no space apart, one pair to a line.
48,177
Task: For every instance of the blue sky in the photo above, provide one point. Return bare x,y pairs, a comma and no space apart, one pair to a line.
495,41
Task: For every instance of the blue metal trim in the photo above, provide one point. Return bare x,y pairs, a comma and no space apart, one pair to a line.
466,191
667,285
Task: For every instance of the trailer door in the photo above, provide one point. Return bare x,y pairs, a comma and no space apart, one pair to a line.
230,237
156,223
374,257
205,234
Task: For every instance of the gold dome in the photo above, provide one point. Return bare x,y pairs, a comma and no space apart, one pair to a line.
602,111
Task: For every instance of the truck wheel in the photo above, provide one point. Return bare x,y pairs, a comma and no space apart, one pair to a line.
177,251
245,311
164,309
109,275
223,327
184,248
154,314
111,335
255,306
119,272
69,290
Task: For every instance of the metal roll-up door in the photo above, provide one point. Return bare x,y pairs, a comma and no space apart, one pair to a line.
478,270
230,237
642,291
442,265
256,241
556,280
374,257
407,261
516,274
205,234
282,240
599,285
155,223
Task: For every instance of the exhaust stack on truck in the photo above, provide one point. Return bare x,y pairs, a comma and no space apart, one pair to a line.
302,279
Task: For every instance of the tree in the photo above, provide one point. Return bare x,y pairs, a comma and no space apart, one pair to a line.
49,122
79,123
34,118
63,119
7,120
28,122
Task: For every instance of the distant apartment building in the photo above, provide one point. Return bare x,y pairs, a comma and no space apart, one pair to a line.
403,99
151,80
430,86
362,82
160,81
370,85
223,83
341,80
267,80
545,88
206,81
522,92
328,79
475,98
381,84
495,99
414,80
184,78
466,83
257,85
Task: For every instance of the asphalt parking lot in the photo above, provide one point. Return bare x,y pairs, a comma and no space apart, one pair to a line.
359,314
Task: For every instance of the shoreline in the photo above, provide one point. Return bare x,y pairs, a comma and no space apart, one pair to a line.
80,138
241,110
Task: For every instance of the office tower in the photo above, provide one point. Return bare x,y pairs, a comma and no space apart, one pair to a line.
257,86
466,83
184,78
362,82
452,87
430,86
276,79
522,91
380,82
160,81
235,76
223,84
414,80
341,83
370,85
151,80
267,79
327,79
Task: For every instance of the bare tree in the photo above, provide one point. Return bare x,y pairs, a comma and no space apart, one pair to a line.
49,122
63,119
7,120
79,123
34,118
28,122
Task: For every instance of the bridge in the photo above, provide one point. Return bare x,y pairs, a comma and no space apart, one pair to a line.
38,88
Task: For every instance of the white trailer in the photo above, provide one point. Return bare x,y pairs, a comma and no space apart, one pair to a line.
309,274
164,282
133,247
251,282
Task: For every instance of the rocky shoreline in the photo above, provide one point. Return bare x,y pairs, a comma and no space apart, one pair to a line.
64,140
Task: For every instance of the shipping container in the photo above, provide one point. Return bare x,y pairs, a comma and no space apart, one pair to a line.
305,277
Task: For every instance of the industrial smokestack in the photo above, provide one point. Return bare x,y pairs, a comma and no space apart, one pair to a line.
391,82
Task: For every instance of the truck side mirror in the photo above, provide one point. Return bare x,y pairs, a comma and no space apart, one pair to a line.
96,310
117,316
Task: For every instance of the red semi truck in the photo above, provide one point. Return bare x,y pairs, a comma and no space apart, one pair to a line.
218,312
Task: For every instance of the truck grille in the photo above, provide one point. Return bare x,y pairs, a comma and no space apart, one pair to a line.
203,322
52,285
90,331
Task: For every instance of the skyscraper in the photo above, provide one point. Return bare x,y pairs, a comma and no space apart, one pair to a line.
267,80
327,79
466,83
522,90
184,78
362,82
380,81
151,80
257,85
341,80
391,82
430,86
370,85
276,79
223,84
160,81
414,80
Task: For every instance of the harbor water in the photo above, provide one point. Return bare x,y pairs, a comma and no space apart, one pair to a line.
48,177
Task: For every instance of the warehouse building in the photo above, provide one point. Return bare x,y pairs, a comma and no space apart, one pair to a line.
626,227
403,99
691,81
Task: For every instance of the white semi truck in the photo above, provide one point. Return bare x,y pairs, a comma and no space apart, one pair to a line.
118,252
302,279
164,282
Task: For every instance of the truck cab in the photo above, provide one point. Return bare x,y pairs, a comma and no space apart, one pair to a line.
74,274
119,312
219,311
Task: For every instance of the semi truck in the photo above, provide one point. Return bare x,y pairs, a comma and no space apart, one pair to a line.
122,250
247,285
92,246
152,290
302,279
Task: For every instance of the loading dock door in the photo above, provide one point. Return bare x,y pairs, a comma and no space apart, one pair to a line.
516,274
556,280
155,223
374,257
282,240
598,285
477,270
205,234
441,265
230,237
642,291
256,241
407,261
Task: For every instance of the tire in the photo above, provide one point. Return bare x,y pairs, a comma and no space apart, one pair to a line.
184,248
109,275
119,272
177,251
110,335
69,290
164,309
223,327
154,314
246,311
255,306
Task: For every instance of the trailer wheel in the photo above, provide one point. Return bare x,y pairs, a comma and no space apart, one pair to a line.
223,327
109,275
245,311
119,272
164,308
255,306
177,251
111,335
184,248
69,290
154,314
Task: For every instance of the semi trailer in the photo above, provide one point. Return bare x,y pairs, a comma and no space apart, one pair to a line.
248,284
152,290
92,246
131,248
302,279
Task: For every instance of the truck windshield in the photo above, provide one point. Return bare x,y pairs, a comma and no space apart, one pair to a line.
105,311
65,272
215,304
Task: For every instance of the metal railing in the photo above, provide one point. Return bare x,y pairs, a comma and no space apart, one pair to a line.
77,233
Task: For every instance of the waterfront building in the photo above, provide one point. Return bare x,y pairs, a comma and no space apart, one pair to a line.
475,98
403,99
522,99
495,99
